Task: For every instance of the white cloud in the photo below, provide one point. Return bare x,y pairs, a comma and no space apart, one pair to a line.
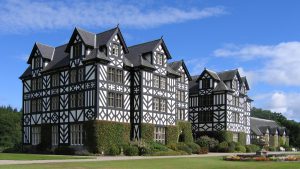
282,102
29,15
280,62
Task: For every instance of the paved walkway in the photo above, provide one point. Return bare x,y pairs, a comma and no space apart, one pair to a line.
117,158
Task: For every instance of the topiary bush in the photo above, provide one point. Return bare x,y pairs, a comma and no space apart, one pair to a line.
194,147
155,147
183,147
113,150
208,142
223,147
147,131
172,134
232,145
185,130
240,149
242,138
131,150
252,148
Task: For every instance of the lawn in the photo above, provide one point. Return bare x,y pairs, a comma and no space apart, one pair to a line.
175,163
14,156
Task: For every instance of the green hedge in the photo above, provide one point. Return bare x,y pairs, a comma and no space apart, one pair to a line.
147,132
242,138
221,136
185,130
172,134
101,135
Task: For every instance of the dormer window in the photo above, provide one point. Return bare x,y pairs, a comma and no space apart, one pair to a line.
77,50
115,50
159,59
205,83
37,62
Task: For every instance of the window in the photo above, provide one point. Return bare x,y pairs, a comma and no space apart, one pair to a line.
205,83
119,98
159,135
159,59
119,74
235,117
206,116
110,102
37,62
182,78
33,106
33,85
180,114
73,76
80,99
111,74
162,105
36,135
54,135
76,134
155,104
206,100
180,96
162,83
80,74
77,50
39,83
235,137
115,50
55,103
155,81
55,80
72,100
39,105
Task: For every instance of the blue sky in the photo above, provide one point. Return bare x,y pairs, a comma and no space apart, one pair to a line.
261,38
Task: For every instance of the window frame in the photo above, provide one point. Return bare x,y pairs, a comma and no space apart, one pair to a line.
73,100
55,80
160,134
160,58
162,82
156,81
36,135
73,76
110,99
77,50
80,99
54,135
115,49
156,104
76,134
80,75
162,105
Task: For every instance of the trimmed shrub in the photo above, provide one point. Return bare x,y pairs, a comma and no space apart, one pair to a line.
155,147
131,150
172,134
223,147
232,145
185,130
147,131
218,135
184,147
113,150
203,150
242,138
64,150
208,142
252,148
173,146
240,148
101,135
194,147
169,153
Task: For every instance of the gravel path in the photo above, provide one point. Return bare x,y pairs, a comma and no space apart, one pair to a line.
116,158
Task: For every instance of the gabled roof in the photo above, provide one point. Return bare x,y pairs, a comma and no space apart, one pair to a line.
103,38
176,65
244,80
213,74
26,73
60,59
259,126
45,50
88,38
228,75
193,85
172,71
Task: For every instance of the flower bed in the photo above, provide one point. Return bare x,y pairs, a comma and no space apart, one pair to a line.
262,158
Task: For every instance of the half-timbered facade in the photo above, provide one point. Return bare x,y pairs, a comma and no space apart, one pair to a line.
219,102
97,77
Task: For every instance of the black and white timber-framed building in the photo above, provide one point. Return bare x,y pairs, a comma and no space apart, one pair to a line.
97,77
219,102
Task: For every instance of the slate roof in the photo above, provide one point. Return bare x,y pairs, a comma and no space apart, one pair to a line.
87,37
227,75
97,55
221,87
46,51
60,59
259,126
213,74
193,85
175,65
244,79
172,71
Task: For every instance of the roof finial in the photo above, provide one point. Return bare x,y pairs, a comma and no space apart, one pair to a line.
118,25
161,36
204,68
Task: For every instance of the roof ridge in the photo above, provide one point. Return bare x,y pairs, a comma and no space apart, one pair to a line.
78,28
106,30
43,44
227,71
263,119
143,43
